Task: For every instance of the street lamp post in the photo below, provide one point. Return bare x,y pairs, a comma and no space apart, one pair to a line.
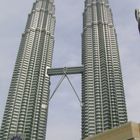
137,14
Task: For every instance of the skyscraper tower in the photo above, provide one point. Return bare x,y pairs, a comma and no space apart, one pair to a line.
137,15
25,115
103,100
102,86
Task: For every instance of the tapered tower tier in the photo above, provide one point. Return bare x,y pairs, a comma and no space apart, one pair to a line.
27,105
103,99
102,86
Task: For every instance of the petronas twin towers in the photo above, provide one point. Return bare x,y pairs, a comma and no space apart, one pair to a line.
103,99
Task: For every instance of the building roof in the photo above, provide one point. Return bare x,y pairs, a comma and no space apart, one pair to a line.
129,131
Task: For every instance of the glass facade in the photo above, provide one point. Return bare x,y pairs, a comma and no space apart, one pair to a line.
102,86
27,103
103,99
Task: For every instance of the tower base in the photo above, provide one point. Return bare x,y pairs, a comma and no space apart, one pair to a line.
129,131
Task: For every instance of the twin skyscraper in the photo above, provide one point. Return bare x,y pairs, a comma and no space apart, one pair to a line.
103,99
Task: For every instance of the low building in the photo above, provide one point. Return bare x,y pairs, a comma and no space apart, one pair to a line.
129,131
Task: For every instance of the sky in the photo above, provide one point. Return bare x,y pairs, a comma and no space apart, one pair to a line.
64,118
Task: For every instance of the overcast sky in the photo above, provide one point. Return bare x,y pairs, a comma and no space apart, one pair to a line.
64,112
